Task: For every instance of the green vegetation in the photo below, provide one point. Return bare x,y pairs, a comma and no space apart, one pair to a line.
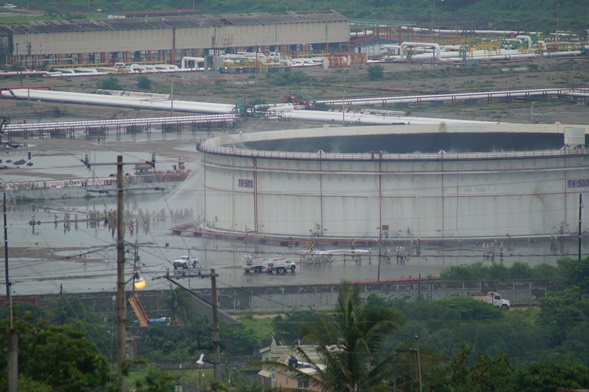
375,72
464,344
51,357
498,271
292,79
144,83
502,14
110,83
348,339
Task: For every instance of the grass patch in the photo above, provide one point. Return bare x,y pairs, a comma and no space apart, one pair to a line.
262,326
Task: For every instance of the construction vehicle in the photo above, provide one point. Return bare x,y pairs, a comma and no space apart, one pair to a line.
139,311
142,319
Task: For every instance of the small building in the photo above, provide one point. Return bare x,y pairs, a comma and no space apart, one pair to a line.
282,357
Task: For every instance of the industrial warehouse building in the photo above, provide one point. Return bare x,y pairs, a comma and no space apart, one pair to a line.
445,181
37,45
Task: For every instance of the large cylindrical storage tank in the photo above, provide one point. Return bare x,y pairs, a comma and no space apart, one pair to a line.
336,62
447,182
357,59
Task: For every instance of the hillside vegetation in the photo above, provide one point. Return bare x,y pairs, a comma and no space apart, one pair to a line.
526,15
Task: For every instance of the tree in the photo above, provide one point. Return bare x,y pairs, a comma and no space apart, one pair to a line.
549,376
375,72
287,328
467,371
144,83
561,312
348,340
177,303
57,358
575,273
110,83
155,380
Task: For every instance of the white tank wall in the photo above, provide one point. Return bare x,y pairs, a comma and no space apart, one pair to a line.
485,198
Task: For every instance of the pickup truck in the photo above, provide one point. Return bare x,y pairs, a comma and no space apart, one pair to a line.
494,299
186,262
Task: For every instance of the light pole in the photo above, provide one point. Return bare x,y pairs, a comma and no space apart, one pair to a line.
379,253
433,18
18,67
532,112
344,109
172,98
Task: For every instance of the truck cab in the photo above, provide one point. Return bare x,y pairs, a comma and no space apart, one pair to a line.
495,299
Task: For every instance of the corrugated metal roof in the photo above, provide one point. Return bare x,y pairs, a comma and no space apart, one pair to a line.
166,22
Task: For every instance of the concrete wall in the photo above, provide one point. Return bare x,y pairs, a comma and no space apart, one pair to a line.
319,297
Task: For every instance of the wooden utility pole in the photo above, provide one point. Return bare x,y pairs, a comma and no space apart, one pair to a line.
12,354
121,303
215,308
580,222
216,338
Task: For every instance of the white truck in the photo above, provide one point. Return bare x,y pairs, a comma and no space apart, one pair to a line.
251,262
186,262
494,299
279,265
254,262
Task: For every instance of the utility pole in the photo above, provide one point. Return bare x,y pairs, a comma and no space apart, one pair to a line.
344,109
580,222
172,98
216,338
213,304
12,354
419,365
18,64
121,303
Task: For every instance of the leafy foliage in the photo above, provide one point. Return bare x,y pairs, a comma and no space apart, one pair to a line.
498,14
56,357
348,340
375,72
498,271
293,78
287,328
144,83
576,273
110,83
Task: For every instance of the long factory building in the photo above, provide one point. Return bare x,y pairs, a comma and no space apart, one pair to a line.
38,45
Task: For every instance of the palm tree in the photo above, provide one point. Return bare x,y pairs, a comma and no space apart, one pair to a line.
347,341
177,303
